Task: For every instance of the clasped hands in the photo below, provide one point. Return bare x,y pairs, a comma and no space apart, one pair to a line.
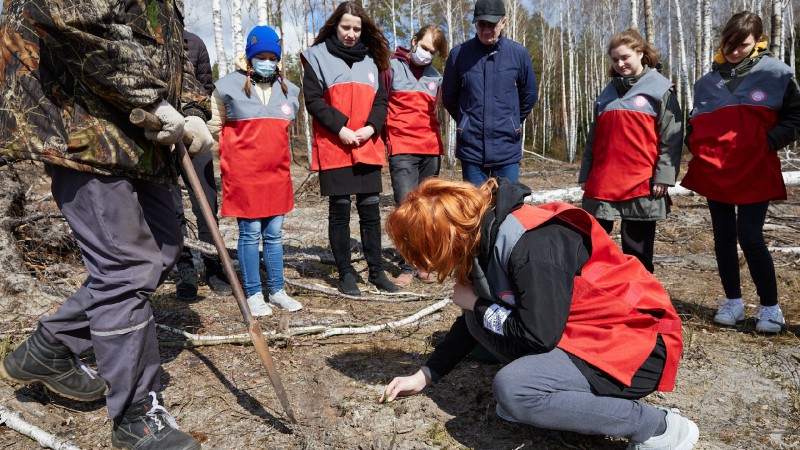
357,137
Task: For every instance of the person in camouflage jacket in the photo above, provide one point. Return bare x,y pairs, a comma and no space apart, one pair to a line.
72,71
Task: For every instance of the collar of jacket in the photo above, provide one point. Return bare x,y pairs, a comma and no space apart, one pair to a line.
490,49
624,84
728,70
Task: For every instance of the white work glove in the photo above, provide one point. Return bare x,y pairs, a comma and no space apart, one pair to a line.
196,129
172,121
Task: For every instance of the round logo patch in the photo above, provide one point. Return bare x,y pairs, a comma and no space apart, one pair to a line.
431,86
758,95
640,101
508,298
286,109
371,77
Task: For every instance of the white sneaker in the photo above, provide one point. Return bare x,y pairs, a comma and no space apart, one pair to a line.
258,307
769,319
681,434
282,299
730,312
501,413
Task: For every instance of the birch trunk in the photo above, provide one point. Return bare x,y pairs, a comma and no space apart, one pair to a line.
682,56
634,13
698,36
706,37
649,28
236,30
776,41
394,22
222,60
573,123
563,83
261,6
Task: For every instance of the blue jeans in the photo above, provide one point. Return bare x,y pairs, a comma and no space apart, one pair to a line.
477,174
250,232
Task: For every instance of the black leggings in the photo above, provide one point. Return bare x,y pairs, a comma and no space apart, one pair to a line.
369,215
744,223
638,238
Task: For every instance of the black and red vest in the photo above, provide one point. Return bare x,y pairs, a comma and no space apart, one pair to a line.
618,308
411,124
254,153
732,161
351,90
625,145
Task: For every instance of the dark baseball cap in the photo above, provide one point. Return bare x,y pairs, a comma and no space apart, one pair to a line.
489,10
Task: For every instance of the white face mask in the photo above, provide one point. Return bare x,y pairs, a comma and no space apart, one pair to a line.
421,57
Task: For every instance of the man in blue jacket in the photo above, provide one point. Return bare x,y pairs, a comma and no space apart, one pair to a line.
489,88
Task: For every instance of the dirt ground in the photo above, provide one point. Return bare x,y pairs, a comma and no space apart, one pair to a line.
740,387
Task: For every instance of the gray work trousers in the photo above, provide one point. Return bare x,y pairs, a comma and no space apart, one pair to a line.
129,238
547,391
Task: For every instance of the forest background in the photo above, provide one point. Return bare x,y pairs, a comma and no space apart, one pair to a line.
566,39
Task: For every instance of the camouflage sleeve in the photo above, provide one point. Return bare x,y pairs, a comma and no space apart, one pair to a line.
120,49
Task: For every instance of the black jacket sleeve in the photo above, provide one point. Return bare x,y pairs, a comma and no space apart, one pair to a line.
788,128
380,107
326,115
542,269
457,344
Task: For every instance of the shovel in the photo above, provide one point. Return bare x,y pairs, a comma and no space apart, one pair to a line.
148,121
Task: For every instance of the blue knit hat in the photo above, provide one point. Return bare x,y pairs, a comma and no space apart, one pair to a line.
262,39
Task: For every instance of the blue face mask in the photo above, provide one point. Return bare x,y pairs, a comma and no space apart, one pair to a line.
264,67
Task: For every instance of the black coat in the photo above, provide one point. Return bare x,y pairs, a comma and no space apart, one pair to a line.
198,56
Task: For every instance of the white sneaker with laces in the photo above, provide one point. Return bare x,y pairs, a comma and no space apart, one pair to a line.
730,311
769,319
258,307
681,434
282,299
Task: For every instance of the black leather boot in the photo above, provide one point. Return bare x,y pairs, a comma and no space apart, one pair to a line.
369,215
146,425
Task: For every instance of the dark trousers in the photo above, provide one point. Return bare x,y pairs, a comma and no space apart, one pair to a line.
369,216
129,240
638,238
204,166
407,172
743,224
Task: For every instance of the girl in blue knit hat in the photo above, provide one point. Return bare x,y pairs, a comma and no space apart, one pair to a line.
251,112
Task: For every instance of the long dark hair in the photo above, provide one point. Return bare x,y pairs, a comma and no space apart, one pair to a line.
737,29
371,35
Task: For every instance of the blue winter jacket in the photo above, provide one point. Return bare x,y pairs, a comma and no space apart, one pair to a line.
489,91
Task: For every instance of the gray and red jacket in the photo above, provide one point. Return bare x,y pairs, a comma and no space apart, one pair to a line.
625,145
411,123
350,90
254,149
732,158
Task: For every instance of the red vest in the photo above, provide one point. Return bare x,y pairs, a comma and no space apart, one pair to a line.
625,145
254,150
611,323
351,90
411,124
732,161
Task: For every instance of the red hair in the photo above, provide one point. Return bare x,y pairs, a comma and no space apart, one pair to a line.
438,226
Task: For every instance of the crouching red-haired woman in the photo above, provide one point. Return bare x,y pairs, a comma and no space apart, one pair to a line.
584,331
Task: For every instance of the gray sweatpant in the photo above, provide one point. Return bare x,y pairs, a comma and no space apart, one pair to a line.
129,238
547,391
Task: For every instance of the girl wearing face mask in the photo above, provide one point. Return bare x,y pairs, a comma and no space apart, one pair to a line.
251,112
345,94
745,110
412,132
633,150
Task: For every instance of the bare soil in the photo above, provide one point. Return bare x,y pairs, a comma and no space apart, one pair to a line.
742,388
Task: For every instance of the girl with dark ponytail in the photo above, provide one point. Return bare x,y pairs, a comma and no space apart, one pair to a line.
252,109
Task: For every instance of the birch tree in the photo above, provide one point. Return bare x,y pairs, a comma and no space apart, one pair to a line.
649,28
222,60
682,57
236,29
261,7
776,43
706,66
634,13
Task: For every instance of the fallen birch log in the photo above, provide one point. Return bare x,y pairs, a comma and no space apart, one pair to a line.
396,297
323,331
15,422
575,194
375,328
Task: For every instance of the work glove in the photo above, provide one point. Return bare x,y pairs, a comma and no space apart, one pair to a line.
172,122
196,129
